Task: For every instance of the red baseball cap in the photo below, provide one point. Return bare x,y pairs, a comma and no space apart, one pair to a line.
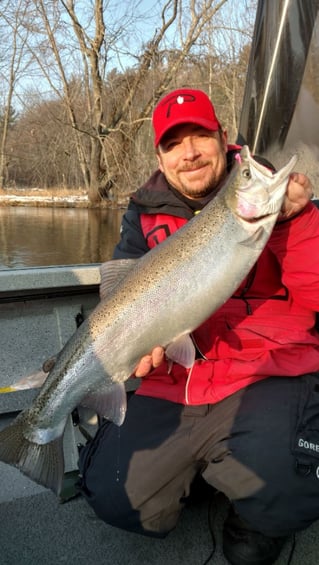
181,106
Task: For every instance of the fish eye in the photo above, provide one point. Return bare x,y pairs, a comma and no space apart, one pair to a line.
246,173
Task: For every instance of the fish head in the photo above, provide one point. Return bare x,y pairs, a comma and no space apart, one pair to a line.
257,191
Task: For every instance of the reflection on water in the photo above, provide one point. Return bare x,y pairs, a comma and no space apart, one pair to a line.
37,237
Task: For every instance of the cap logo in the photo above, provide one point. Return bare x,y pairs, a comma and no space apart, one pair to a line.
170,102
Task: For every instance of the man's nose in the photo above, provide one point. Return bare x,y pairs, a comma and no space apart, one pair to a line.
190,149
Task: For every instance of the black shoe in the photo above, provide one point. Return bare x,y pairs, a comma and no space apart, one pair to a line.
200,491
244,546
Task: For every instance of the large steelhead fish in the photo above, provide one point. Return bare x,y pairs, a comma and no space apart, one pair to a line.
158,299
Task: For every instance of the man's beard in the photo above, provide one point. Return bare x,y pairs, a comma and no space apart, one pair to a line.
211,185
191,193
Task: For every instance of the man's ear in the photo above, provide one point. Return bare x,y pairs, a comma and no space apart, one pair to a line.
159,162
224,138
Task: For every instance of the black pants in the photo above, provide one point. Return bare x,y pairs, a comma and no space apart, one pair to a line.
260,447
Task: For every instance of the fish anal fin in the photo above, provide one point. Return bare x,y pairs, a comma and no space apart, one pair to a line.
182,351
112,272
43,463
108,402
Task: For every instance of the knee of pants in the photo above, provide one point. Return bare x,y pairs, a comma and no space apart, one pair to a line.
270,522
280,516
111,504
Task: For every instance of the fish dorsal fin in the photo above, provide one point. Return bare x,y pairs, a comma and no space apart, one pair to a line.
108,402
112,272
182,351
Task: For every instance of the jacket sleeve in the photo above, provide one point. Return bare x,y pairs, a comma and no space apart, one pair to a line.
295,243
132,243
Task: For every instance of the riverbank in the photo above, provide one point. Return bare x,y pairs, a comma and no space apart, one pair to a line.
58,198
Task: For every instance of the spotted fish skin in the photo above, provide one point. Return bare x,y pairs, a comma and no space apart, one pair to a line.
158,299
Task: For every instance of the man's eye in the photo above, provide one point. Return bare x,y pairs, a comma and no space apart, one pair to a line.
170,145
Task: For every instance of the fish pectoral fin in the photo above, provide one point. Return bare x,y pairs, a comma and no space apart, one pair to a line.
182,351
254,239
43,463
108,402
112,272
35,380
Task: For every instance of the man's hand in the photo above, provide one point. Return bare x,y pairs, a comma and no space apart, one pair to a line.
299,192
148,362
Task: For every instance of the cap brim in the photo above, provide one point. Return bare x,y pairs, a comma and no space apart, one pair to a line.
207,124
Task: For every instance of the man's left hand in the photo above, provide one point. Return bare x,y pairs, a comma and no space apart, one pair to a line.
299,192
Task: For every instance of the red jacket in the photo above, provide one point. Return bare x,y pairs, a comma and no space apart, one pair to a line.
267,328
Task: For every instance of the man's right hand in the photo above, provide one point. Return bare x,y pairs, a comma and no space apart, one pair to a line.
149,362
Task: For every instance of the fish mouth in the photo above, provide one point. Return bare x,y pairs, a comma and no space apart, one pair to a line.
276,177
263,195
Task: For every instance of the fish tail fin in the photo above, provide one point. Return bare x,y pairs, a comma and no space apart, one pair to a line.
43,463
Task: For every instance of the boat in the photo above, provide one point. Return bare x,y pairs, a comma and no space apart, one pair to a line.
40,308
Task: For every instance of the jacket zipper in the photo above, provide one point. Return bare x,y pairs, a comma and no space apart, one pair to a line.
202,356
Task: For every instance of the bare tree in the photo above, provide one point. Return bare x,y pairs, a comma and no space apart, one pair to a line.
190,27
99,67
107,131
225,48
12,66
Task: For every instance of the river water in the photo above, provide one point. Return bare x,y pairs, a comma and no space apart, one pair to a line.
37,237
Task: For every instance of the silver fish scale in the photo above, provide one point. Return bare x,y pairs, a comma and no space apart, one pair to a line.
171,290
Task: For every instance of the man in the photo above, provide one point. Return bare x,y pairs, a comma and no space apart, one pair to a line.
246,416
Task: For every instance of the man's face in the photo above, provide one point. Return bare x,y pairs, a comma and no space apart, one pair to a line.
193,159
